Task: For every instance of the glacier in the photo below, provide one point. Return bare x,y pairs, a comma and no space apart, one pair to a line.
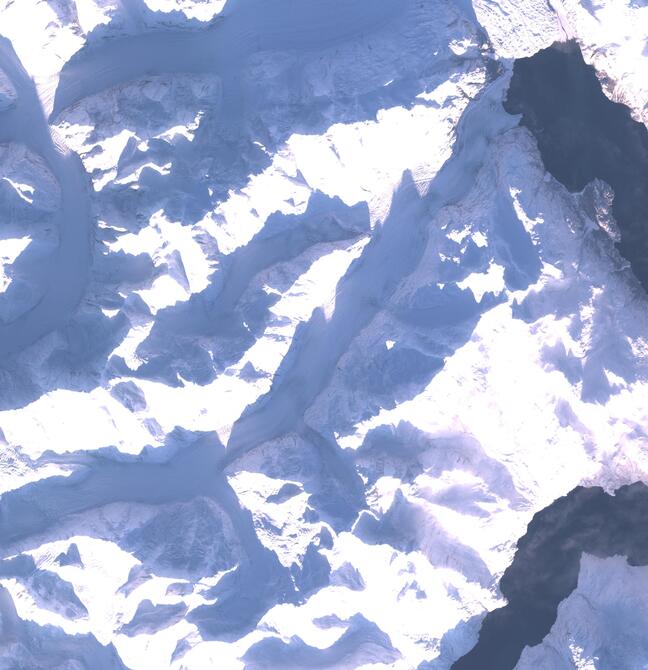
302,337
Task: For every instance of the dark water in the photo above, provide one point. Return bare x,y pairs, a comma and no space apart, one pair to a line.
582,135
546,564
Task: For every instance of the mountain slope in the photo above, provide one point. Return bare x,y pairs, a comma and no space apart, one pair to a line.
297,333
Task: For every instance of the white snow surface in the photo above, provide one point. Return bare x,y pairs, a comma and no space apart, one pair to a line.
602,624
297,334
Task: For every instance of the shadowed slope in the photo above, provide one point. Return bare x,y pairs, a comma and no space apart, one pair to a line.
25,123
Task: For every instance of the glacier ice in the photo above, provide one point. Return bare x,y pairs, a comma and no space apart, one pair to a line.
298,333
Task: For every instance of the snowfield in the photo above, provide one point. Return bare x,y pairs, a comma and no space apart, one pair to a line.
297,334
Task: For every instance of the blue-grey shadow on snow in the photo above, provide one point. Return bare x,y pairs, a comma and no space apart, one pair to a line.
184,540
403,527
199,338
410,452
404,452
150,618
390,255
226,146
361,643
454,643
24,122
30,645
607,330
46,587
514,246
223,155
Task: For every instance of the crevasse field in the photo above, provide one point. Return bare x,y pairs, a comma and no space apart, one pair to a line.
298,333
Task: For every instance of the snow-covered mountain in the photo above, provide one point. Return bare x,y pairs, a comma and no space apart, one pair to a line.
298,333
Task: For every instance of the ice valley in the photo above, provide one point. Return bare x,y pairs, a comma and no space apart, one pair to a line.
323,338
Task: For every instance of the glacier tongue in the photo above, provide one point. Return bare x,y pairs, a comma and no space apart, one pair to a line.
297,333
